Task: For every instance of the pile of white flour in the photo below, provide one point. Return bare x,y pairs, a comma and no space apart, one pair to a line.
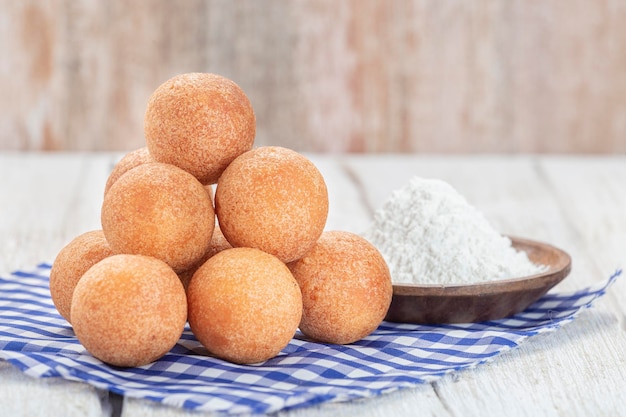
429,234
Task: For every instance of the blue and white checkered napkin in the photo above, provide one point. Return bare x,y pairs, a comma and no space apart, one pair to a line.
37,340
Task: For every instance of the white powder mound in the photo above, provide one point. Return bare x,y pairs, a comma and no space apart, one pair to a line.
429,234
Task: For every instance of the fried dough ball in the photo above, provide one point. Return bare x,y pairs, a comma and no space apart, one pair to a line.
71,263
199,122
346,288
129,310
244,305
159,210
274,199
129,161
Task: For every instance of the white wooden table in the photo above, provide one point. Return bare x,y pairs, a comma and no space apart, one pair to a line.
576,203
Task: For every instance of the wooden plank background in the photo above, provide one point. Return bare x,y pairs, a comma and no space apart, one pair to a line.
430,76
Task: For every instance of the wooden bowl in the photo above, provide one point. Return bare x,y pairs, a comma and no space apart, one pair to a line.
438,304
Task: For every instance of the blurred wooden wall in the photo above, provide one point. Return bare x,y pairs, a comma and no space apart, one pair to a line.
439,76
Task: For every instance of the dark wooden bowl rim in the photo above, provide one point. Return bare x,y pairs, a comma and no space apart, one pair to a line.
482,301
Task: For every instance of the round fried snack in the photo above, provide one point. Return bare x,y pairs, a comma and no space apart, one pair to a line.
159,210
274,199
129,310
244,305
199,122
346,288
129,161
71,263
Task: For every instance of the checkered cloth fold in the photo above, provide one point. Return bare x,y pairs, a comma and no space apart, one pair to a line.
36,339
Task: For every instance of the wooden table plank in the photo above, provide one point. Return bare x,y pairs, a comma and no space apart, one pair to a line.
46,200
21,395
592,196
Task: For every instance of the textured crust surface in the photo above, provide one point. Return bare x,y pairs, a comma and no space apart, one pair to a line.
159,210
273,199
244,305
71,263
129,310
129,161
346,288
199,122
